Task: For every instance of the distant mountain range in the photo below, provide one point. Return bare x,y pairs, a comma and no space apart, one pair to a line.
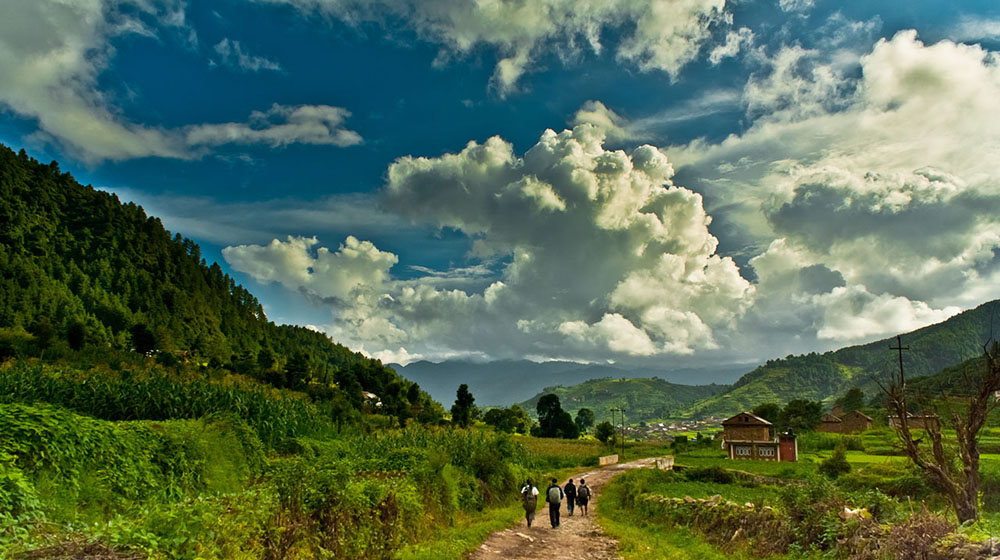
507,382
822,377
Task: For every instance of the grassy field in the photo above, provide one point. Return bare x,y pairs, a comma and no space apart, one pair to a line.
563,453
713,456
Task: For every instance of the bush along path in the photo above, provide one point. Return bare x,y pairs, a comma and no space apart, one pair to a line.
578,537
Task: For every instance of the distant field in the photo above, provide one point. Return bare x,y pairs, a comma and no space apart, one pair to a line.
708,457
563,453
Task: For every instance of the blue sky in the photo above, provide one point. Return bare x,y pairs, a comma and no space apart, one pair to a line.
723,181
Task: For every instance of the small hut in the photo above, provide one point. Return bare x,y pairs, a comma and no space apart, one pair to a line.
856,421
830,424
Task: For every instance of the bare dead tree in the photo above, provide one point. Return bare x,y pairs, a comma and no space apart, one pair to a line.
959,485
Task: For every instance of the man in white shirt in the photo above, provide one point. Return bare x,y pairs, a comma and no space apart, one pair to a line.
529,499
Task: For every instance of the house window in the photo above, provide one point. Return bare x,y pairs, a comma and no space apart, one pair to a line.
765,451
741,450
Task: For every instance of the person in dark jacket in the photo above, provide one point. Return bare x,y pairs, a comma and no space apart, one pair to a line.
583,496
554,496
570,491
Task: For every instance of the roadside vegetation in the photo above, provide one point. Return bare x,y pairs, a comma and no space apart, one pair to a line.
878,505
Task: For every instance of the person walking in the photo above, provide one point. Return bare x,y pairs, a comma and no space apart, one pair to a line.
529,499
554,496
583,496
570,491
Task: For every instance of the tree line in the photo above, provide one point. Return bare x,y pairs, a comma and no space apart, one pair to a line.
553,421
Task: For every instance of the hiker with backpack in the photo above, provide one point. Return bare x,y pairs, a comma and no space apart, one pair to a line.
554,496
529,499
570,491
583,496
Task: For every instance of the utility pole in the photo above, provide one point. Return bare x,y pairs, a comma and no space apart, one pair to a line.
622,410
899,347
902,380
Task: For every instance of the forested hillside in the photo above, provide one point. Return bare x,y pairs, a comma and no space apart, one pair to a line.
642,398
826,376
80,271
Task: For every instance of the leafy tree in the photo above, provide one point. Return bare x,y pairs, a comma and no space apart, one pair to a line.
767,411
349,384
800,415
520,419
854,399
495,417
298,371
245,363
265,359
510,420
413,394
462,412
584,419
604,432
553,421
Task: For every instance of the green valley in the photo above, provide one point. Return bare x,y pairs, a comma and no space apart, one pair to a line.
643,398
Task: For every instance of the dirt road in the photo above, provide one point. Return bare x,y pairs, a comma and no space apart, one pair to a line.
577,537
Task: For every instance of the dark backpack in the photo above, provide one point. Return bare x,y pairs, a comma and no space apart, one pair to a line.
583,492
554,495
529,499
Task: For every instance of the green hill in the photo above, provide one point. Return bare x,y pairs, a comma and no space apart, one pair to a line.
642,398
826,376
83,275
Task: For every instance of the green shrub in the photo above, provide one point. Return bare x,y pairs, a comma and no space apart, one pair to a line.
713,473
898,480
836,464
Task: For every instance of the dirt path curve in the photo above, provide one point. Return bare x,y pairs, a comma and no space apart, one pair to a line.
578,537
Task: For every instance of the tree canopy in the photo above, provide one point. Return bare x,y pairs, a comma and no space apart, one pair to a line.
584,419
800,415
463,412
553,421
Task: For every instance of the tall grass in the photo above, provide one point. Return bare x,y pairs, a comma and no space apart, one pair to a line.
73,465
158,395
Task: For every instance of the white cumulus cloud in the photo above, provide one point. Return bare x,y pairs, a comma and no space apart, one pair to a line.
868,193
597,252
